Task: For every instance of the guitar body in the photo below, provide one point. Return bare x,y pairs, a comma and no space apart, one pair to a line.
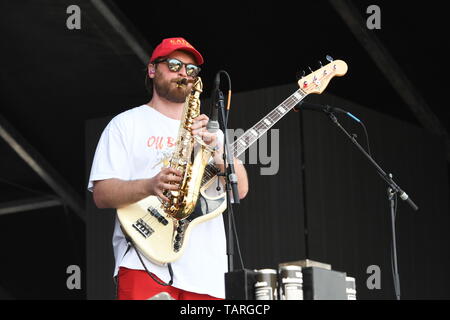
156,235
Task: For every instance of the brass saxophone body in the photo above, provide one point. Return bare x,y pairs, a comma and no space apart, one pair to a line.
191,156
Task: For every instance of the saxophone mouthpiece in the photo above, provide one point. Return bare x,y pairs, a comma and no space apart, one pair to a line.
183,81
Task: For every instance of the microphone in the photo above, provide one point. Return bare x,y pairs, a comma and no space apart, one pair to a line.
318,107
325,108
213,123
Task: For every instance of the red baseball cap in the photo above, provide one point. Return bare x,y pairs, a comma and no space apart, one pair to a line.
169,45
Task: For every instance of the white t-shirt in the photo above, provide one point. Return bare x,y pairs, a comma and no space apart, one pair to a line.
131,147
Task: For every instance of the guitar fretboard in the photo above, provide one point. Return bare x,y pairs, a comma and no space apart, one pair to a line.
254,133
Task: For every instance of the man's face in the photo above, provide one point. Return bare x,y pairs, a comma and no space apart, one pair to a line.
165,81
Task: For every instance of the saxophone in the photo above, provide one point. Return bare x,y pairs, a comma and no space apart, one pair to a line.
190,157
160,229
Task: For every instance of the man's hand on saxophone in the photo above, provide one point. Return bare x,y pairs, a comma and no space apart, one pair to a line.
166,179
199,128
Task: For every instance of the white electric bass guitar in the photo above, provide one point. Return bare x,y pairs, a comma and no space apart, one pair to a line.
163,240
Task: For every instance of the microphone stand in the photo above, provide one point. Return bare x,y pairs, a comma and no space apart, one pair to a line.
393,190
230,179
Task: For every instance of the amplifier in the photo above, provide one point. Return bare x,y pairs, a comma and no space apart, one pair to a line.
317,284
240,284
322,284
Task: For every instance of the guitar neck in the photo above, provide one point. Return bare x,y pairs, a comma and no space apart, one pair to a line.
258,130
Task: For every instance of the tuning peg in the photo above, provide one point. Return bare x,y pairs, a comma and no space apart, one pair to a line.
320,64
329,58
299,76
310,69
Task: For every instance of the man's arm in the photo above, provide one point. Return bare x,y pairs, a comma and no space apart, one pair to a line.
116,193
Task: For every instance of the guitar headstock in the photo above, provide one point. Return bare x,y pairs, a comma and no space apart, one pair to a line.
317,81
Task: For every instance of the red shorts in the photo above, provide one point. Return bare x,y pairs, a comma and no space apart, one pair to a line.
138,285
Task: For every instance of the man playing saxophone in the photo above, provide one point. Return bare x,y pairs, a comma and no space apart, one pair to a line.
129,166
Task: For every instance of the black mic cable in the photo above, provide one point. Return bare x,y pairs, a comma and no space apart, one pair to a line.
217,92
215,96
213,123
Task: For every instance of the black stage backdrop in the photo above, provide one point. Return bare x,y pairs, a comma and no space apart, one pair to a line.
325,202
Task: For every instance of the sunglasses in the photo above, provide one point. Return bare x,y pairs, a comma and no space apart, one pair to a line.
175,65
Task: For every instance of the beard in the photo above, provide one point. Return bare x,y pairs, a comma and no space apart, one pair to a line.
169,90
